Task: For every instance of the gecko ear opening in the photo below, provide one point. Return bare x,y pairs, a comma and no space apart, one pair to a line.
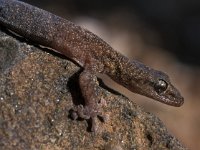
160,86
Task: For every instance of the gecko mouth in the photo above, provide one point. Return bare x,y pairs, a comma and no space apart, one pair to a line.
173,101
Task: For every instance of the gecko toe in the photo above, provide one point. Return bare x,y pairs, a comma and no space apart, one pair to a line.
79,112
73,114
86,113
94,126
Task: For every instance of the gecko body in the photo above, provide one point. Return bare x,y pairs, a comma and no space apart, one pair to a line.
90,52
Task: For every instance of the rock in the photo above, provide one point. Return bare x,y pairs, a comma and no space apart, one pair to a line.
38,87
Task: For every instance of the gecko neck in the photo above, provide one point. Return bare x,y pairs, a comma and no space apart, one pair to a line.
126,72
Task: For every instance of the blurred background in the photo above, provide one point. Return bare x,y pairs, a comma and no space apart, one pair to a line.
163,34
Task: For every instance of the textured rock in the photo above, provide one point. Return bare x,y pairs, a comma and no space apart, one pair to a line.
37,90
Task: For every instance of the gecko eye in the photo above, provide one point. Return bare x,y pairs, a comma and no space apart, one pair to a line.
160,86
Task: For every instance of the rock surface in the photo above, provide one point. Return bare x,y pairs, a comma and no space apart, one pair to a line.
37,90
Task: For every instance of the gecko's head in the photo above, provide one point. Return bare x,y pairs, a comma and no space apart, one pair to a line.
157,85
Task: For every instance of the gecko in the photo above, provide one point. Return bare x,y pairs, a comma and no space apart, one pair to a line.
91,53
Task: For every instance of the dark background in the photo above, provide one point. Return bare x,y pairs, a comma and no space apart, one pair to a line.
177,21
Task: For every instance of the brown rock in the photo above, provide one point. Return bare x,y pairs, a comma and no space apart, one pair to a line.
38,88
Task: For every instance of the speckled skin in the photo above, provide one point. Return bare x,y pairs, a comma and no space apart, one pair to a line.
91,53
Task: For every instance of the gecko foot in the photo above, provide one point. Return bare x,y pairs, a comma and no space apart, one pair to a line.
89,114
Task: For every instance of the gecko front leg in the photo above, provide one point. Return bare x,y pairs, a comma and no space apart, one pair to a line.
91,108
